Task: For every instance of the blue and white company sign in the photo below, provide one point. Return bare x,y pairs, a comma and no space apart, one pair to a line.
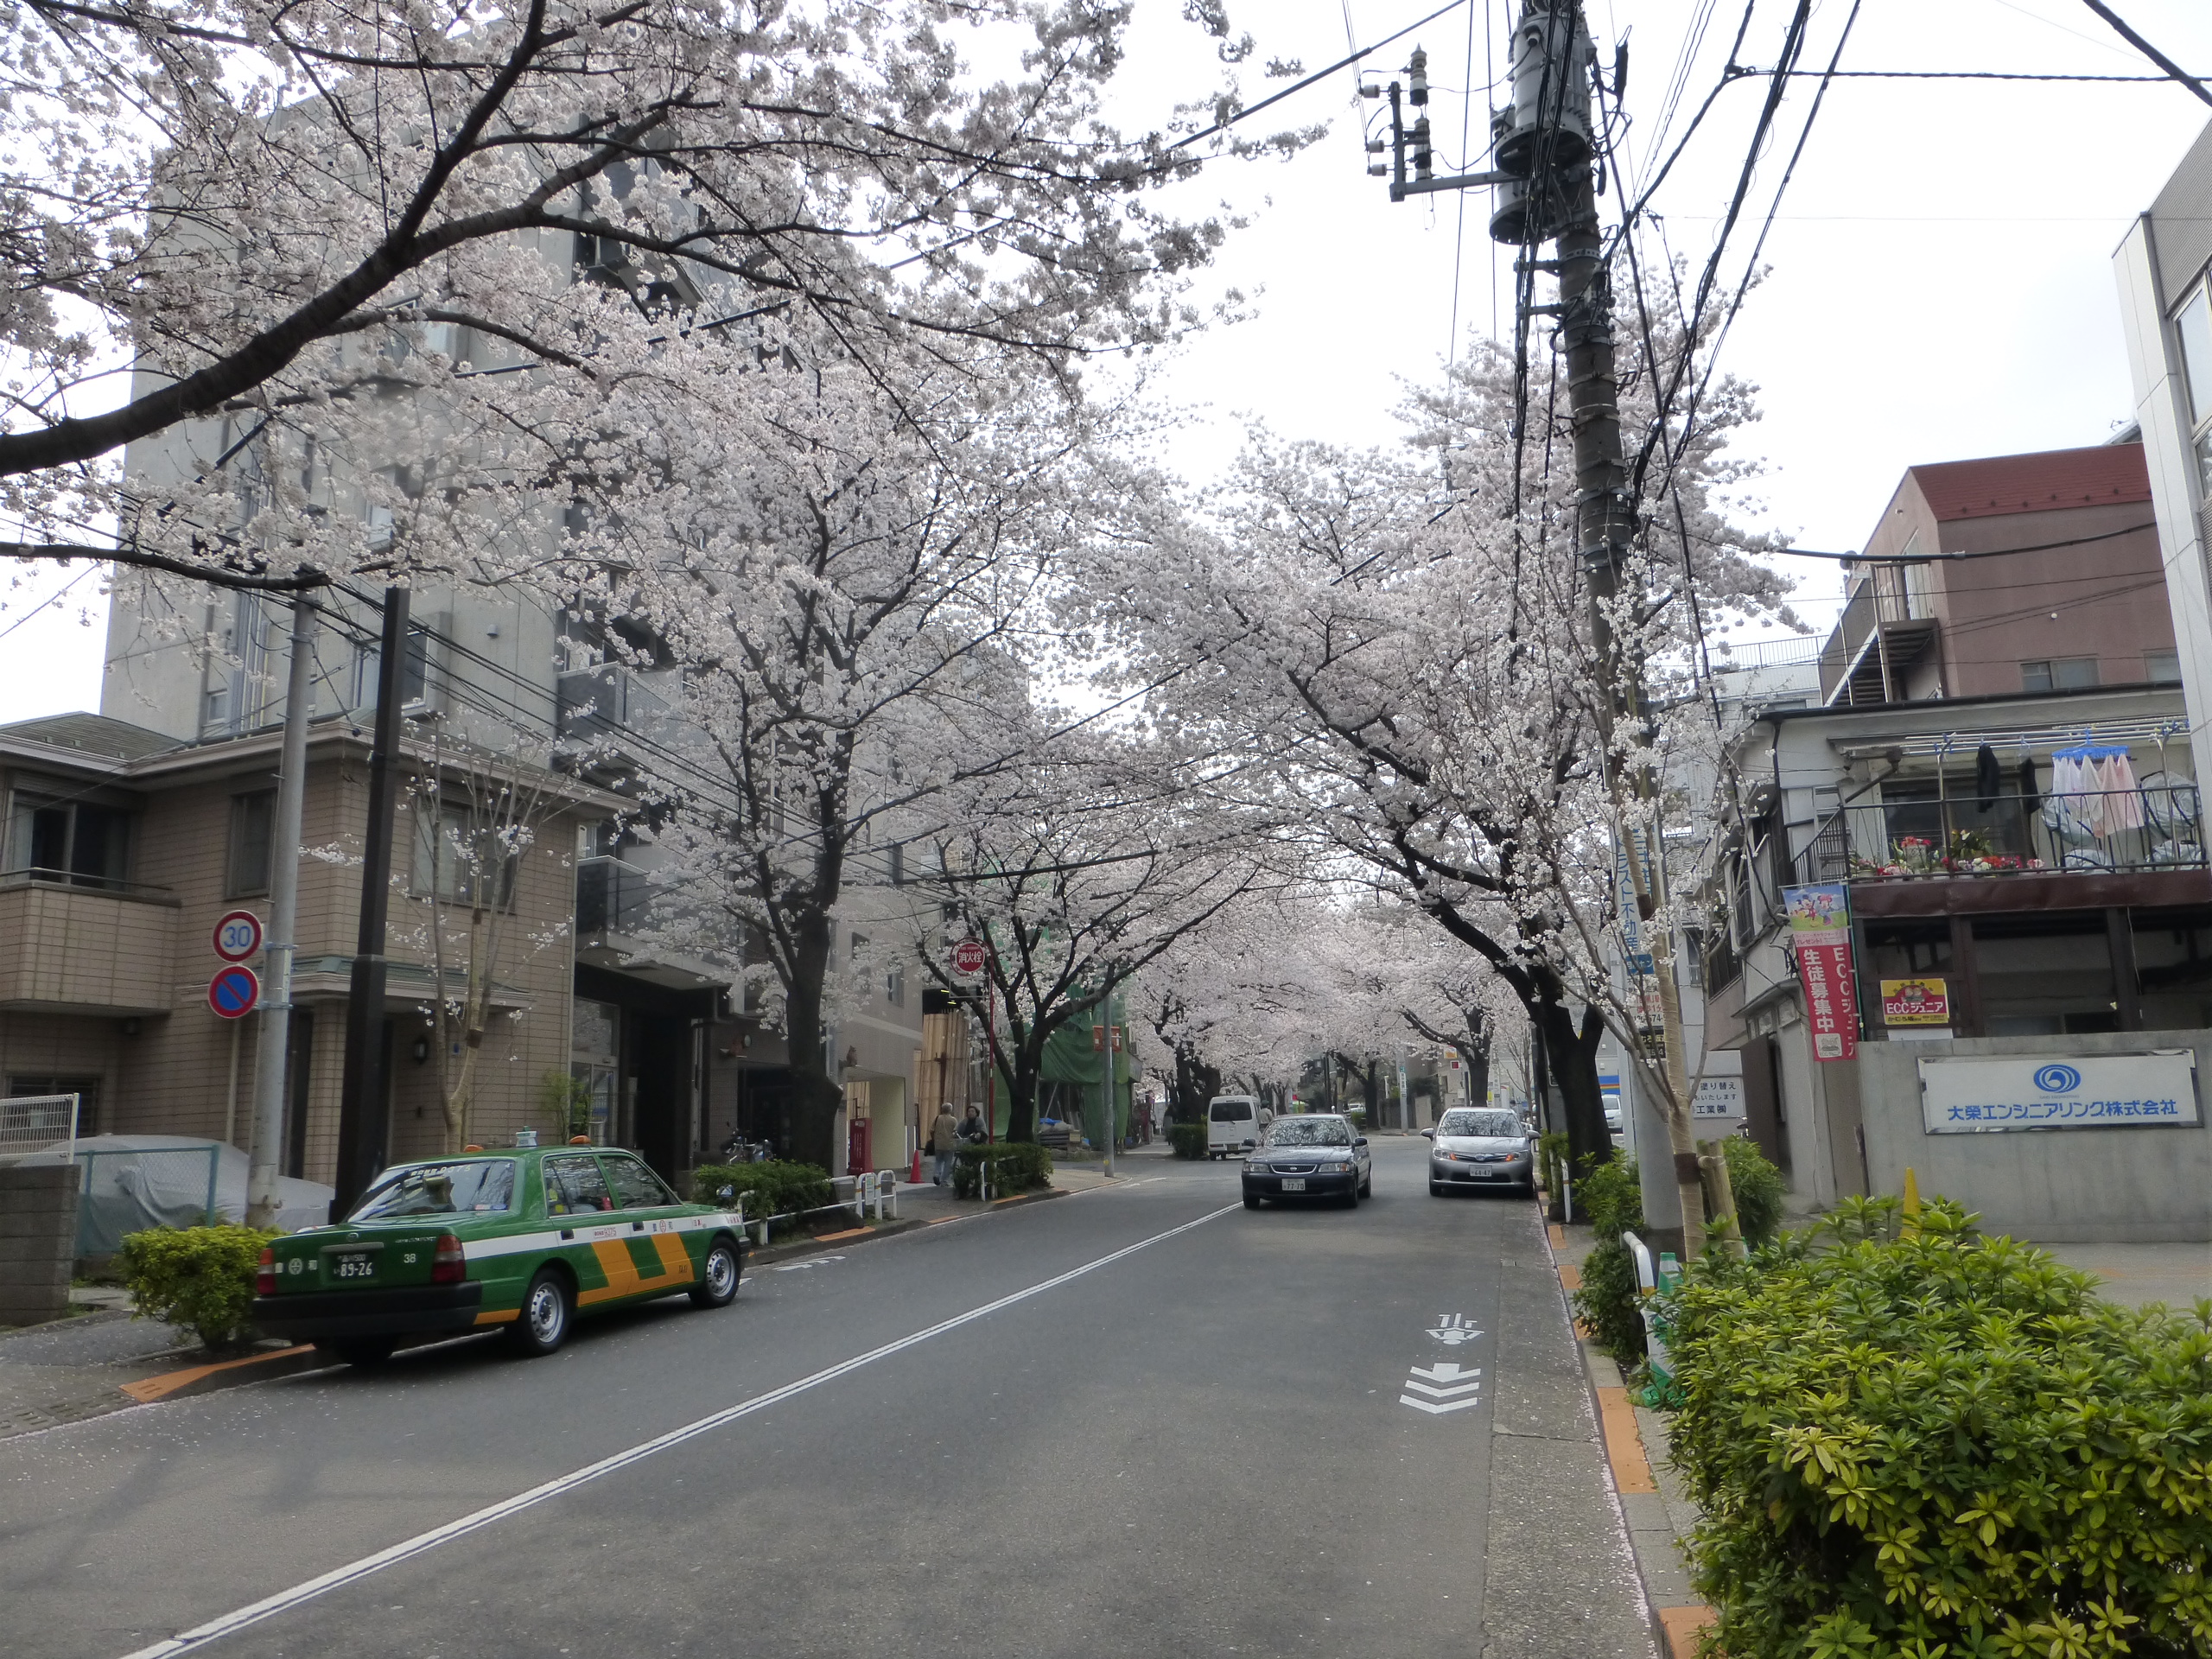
2042,1091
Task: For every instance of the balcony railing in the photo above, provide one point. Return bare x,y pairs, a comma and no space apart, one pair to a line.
2159,826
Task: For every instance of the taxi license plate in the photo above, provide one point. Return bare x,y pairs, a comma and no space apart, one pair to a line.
1294,1183
353,1267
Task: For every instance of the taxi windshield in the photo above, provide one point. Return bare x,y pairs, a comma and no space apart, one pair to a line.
1309,1132
478,1185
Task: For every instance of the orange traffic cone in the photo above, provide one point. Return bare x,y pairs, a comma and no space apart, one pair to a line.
914,1175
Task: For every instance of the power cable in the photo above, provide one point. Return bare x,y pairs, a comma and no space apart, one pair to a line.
2127,34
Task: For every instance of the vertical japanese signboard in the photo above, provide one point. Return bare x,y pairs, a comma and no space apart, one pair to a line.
1820,927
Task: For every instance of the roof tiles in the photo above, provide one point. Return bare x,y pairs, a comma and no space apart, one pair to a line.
2105,475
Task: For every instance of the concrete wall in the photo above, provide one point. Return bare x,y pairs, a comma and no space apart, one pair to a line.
38,1240
2144,1184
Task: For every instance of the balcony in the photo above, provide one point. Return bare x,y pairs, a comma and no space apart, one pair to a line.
611,897
1884,632
2140,846
612,722
68,947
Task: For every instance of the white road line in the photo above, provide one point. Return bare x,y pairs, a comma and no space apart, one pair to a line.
192,1640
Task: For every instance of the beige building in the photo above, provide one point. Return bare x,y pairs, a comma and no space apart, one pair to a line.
123,848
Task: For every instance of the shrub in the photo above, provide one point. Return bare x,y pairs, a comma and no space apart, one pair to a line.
778,1188
1611,1200
1189,1140
1758,1186
1610,1197
1941,1444
201,1277
1016,1166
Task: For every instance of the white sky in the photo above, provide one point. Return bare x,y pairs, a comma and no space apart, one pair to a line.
1940,288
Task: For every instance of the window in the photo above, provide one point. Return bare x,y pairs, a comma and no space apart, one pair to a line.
2161,667
2194,327
573,1185
77,841
860,947
635,1186
440,1189
2059,674
252,823
894,986
452,857
897,863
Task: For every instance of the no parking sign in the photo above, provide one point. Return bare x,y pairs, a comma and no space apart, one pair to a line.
233,992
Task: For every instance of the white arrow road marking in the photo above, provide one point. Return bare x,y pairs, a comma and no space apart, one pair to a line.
811,1261
1447,1370
1442,1393
200,1635
1449,1405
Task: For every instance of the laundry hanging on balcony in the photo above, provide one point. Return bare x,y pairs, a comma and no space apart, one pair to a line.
2094,786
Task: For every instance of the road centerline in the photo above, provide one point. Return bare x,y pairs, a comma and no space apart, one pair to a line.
214,1630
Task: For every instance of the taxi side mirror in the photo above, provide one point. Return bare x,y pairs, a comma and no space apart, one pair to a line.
1359,1141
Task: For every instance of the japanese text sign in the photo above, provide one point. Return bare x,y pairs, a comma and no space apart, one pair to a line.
2036,1091
1820,927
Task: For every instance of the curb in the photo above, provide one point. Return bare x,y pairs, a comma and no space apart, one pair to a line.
775,1253
214,1378
1677,1628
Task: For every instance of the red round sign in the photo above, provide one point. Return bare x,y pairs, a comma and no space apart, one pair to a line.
968,956
237,936
233,992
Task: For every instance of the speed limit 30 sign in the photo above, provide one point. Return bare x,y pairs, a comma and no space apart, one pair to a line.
237,936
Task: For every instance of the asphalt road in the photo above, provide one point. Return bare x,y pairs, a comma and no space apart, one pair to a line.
1141,1421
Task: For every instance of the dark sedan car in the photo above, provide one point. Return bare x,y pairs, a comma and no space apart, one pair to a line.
1481,1146
1315,1155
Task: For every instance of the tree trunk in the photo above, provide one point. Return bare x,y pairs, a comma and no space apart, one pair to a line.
1028,1059
816,1093
1572,1057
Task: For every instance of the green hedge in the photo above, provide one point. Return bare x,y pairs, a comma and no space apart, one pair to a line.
779,1188
1189,1140
1940,1443
1016,1166
1758,1186
201,1277
1610,1197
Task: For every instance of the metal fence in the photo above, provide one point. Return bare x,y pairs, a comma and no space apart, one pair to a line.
128,1191
2158,826
32,1123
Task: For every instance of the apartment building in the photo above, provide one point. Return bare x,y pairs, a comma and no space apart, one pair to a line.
122,846
1997,795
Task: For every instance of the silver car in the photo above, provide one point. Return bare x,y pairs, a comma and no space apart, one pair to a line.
1481,1146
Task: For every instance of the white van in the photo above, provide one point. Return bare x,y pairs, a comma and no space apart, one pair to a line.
1234,1124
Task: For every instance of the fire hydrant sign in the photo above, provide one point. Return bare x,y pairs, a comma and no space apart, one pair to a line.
1820,927
2043,1091
968,956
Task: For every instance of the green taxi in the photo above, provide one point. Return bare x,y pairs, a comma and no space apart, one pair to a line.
523,1239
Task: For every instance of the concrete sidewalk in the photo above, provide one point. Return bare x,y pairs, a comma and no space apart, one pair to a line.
76,1368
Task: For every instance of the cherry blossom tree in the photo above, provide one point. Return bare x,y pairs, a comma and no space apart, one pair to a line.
246,213
1080,871
1399,643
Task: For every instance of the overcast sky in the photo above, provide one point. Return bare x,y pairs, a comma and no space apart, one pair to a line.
1941,280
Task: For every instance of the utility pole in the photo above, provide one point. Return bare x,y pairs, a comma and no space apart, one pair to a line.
364,1108
264,1159
1543,145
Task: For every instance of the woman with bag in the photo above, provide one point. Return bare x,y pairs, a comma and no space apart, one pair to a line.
944,1140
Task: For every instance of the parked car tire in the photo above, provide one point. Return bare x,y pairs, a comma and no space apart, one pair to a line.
718,1276
1367,1185
363,1351
549,1309
1251,1201
1351,1199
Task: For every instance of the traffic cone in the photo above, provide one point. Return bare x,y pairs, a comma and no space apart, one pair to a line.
914,1175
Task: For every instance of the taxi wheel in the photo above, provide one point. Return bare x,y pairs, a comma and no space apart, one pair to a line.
549,1307
718,1286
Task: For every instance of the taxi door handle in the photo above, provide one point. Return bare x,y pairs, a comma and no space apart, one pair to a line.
637,1226
567,1234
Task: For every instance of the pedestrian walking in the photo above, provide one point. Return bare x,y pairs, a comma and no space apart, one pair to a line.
944,1140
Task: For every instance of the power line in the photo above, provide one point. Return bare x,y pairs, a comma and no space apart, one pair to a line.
2148,50
1948,558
